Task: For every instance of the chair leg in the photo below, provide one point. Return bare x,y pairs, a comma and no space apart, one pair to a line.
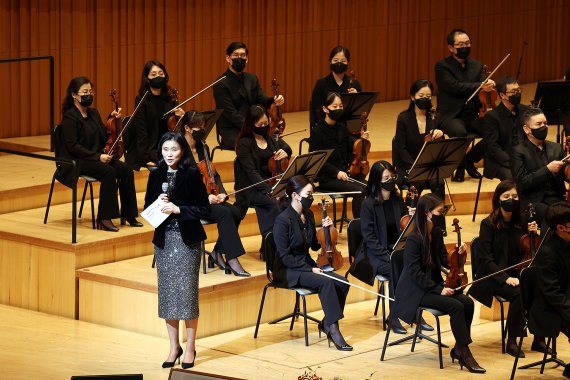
503,328
517,357
49,199
344,215
92,205
383,292
545,354
83,199
295,311
417,332
477,199
153,261
385,343
260,311
305,320
439,343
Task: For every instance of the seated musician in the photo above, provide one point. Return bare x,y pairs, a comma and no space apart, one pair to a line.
294,232
536,165
498,248
331,133
84,136
148,125
550,310
238,92
503,128
224,214
421,283
254,149
337,81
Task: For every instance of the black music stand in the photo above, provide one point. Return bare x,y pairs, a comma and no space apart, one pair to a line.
210,119
554,100
354,105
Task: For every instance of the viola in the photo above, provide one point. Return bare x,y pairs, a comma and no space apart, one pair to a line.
432,114
457,277
276,167
173,121
411,201
360,167
488,99
208,172
276,120
529,242
329,257
114,145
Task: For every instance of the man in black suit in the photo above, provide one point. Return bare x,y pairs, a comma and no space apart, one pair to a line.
237,93
503,129
550,310
536,165
458,76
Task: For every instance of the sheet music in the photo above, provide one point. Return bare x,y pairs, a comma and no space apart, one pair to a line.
153,214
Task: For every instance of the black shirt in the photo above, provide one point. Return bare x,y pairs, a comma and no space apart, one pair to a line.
325,85
391,226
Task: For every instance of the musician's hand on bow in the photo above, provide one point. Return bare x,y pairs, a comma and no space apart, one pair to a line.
213,199
489,85
317,270
555,166
222,198
342,176
105,158
179,112
512,281
280,154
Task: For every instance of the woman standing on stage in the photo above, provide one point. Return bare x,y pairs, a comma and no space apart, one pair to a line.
254,149
294,232
331,133
177,242
498,248
224,214
337,81
148,124
420,283
84,136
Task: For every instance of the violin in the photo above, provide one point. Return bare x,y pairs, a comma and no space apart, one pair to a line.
329,257
352,77
430,136
114,135
276,120
360,167
208,172
457,277
173,121
411,201
529,242
488,99
276,167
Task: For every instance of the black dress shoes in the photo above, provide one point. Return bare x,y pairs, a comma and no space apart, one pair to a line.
472,171
566,372
107,225
458,176
425,325
396,326
512,349
133,222
540,346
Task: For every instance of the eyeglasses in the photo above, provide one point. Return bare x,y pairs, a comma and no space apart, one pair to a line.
462,44
386,179
86,92
514,91
234,56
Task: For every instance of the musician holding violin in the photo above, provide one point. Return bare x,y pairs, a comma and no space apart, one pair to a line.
458,76
294,232
498,248
331,133
223,213
255,149
84,136
421,283
148,124
337,81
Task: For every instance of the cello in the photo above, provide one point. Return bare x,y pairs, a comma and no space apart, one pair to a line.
276,120
530,241
114,134
411,201
457,277
329,258
360,167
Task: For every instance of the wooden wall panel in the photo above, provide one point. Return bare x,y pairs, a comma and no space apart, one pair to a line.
392,44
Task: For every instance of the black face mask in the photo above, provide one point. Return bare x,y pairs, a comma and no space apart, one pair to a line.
423,103
540,133
198,135
306,202
515,99
238,64
260,131
86,100
337,114
339,67
157,82
509,205
463,52
389,185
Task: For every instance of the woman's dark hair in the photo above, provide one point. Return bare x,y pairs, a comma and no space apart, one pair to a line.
254,113
185,161
416,86
145,84
295,185
329,99
73,88
426,203
496,216
234,46
373,186
194,119
340,49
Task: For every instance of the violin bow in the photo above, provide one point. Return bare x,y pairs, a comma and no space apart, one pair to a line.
487,79
356,286
112,148
193,96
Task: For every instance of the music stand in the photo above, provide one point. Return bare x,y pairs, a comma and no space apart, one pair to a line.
554,100
354,105
210,119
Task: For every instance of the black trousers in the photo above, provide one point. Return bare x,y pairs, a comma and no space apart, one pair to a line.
459,127
460,308
266,208
228,217
331,293
229,137
109,175
338,185
515,320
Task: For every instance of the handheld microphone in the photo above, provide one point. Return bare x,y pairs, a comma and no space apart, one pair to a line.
165,187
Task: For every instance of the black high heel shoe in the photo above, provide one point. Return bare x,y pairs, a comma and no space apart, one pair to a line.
340,347
466,360
213,262
171,364
189,365
241,273
133,222
106,225
333,333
